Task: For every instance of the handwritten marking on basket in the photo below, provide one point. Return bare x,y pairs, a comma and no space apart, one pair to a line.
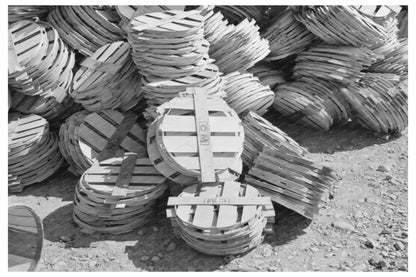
206,159
247,201
204,133
117,138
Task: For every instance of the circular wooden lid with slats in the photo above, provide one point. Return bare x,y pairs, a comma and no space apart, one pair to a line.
221,218
107,79
24,130
169,44
118,194
86,28
245,93
177,134
247,46
109,133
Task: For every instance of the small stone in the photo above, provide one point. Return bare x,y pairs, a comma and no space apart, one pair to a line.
140,232
59,266
92,264
267,252
343,226
358,214
155,229
191,268
65,238
171,247
245,268
403,268
388,177
384,254
404,234
160,255
370,243
314,249
329,255
155,259
399,246
383,168
385,231
272,268
144,258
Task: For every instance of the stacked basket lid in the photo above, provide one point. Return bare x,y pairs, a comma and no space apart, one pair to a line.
40,69
33,153
86,138
221,219
246,93
171,53
108,79
86,28
214,216
118,195
172,139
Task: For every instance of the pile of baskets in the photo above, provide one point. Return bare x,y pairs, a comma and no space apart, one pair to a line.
137,101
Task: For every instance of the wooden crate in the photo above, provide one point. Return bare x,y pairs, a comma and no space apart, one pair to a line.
291,180
176,136
33,153
260,133
221,218
245,93
108,79
117,195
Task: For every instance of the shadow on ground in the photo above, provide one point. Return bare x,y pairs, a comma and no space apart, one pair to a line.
60,185
345,137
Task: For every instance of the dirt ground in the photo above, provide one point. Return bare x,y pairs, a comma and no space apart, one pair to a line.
363,226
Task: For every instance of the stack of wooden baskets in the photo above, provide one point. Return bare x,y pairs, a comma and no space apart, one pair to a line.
380,102
86,138
169,44
86,28
39,65
290,180
246,93
248,47
33,153
117,195
315,102
222,219
260,133
287,36
172,142
108,79
26,12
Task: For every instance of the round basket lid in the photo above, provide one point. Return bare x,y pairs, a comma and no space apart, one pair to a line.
109,133
178,140
25,236
24,130
215,211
